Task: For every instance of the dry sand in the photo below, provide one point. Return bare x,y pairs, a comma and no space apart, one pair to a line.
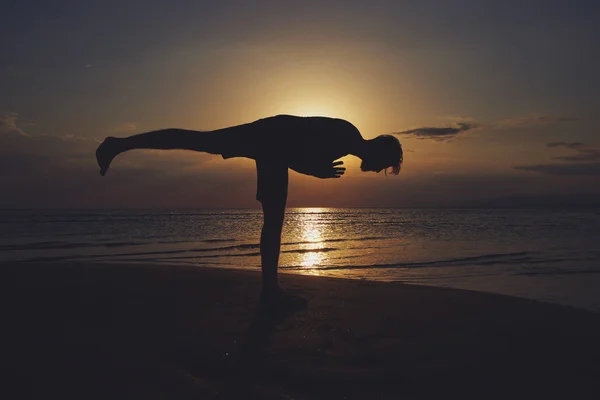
134,331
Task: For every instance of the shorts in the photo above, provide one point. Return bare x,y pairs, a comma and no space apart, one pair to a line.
271,182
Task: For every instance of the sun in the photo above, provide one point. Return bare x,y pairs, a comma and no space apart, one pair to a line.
312,111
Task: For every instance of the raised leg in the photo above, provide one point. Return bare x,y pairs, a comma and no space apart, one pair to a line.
219,141
235,141
165,139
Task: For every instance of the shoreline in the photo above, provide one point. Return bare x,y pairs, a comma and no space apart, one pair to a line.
487,288
138,330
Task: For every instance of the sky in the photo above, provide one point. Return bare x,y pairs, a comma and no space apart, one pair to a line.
494,102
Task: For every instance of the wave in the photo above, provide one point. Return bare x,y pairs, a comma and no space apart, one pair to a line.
159,252
559,272
252,250
360,239
486,259
173,254
210,241
58,245
255,254
65,245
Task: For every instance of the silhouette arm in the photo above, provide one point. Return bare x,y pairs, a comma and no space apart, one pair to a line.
321,170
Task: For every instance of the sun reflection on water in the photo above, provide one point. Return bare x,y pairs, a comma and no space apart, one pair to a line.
312,232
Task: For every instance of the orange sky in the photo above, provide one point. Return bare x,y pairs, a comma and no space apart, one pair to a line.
512,94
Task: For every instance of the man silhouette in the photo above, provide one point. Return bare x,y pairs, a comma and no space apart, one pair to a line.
308,145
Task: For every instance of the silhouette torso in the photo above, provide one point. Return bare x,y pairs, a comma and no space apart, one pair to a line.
294,141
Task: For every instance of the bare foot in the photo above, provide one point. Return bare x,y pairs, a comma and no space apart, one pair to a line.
105,153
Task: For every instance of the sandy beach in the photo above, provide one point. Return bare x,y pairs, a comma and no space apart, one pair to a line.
149,331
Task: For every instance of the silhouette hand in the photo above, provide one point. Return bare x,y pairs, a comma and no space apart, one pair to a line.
320,169
325,170
336,170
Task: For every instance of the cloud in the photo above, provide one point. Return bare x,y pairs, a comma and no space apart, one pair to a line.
585,161
531,120
58,147
125,127
581,169
14,140
586,154
61,171
568,145
448,133
582,152
440,134
9,124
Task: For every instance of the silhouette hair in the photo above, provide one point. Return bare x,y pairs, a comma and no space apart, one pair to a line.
396,154
385,151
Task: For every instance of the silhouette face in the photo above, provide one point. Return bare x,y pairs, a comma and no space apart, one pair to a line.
382,152
372,165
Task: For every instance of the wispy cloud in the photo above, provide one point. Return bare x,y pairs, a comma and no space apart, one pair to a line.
441,134
9,124
583,169
568,145
61,171
585,161
125,127
531,120
448,133
582,154
16,140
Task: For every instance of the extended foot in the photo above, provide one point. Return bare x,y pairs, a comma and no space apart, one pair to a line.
105,154
279,301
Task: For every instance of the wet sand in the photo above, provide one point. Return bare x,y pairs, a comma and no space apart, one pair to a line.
82,330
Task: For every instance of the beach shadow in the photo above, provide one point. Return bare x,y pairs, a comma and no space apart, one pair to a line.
248,372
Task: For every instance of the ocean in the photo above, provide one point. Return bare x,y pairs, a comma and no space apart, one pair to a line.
543,254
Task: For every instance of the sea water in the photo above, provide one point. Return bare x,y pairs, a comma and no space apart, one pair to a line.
543,254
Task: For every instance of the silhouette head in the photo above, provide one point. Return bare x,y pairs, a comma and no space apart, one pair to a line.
382,152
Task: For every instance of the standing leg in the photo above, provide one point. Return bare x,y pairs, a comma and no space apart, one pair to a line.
272,186
270,244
